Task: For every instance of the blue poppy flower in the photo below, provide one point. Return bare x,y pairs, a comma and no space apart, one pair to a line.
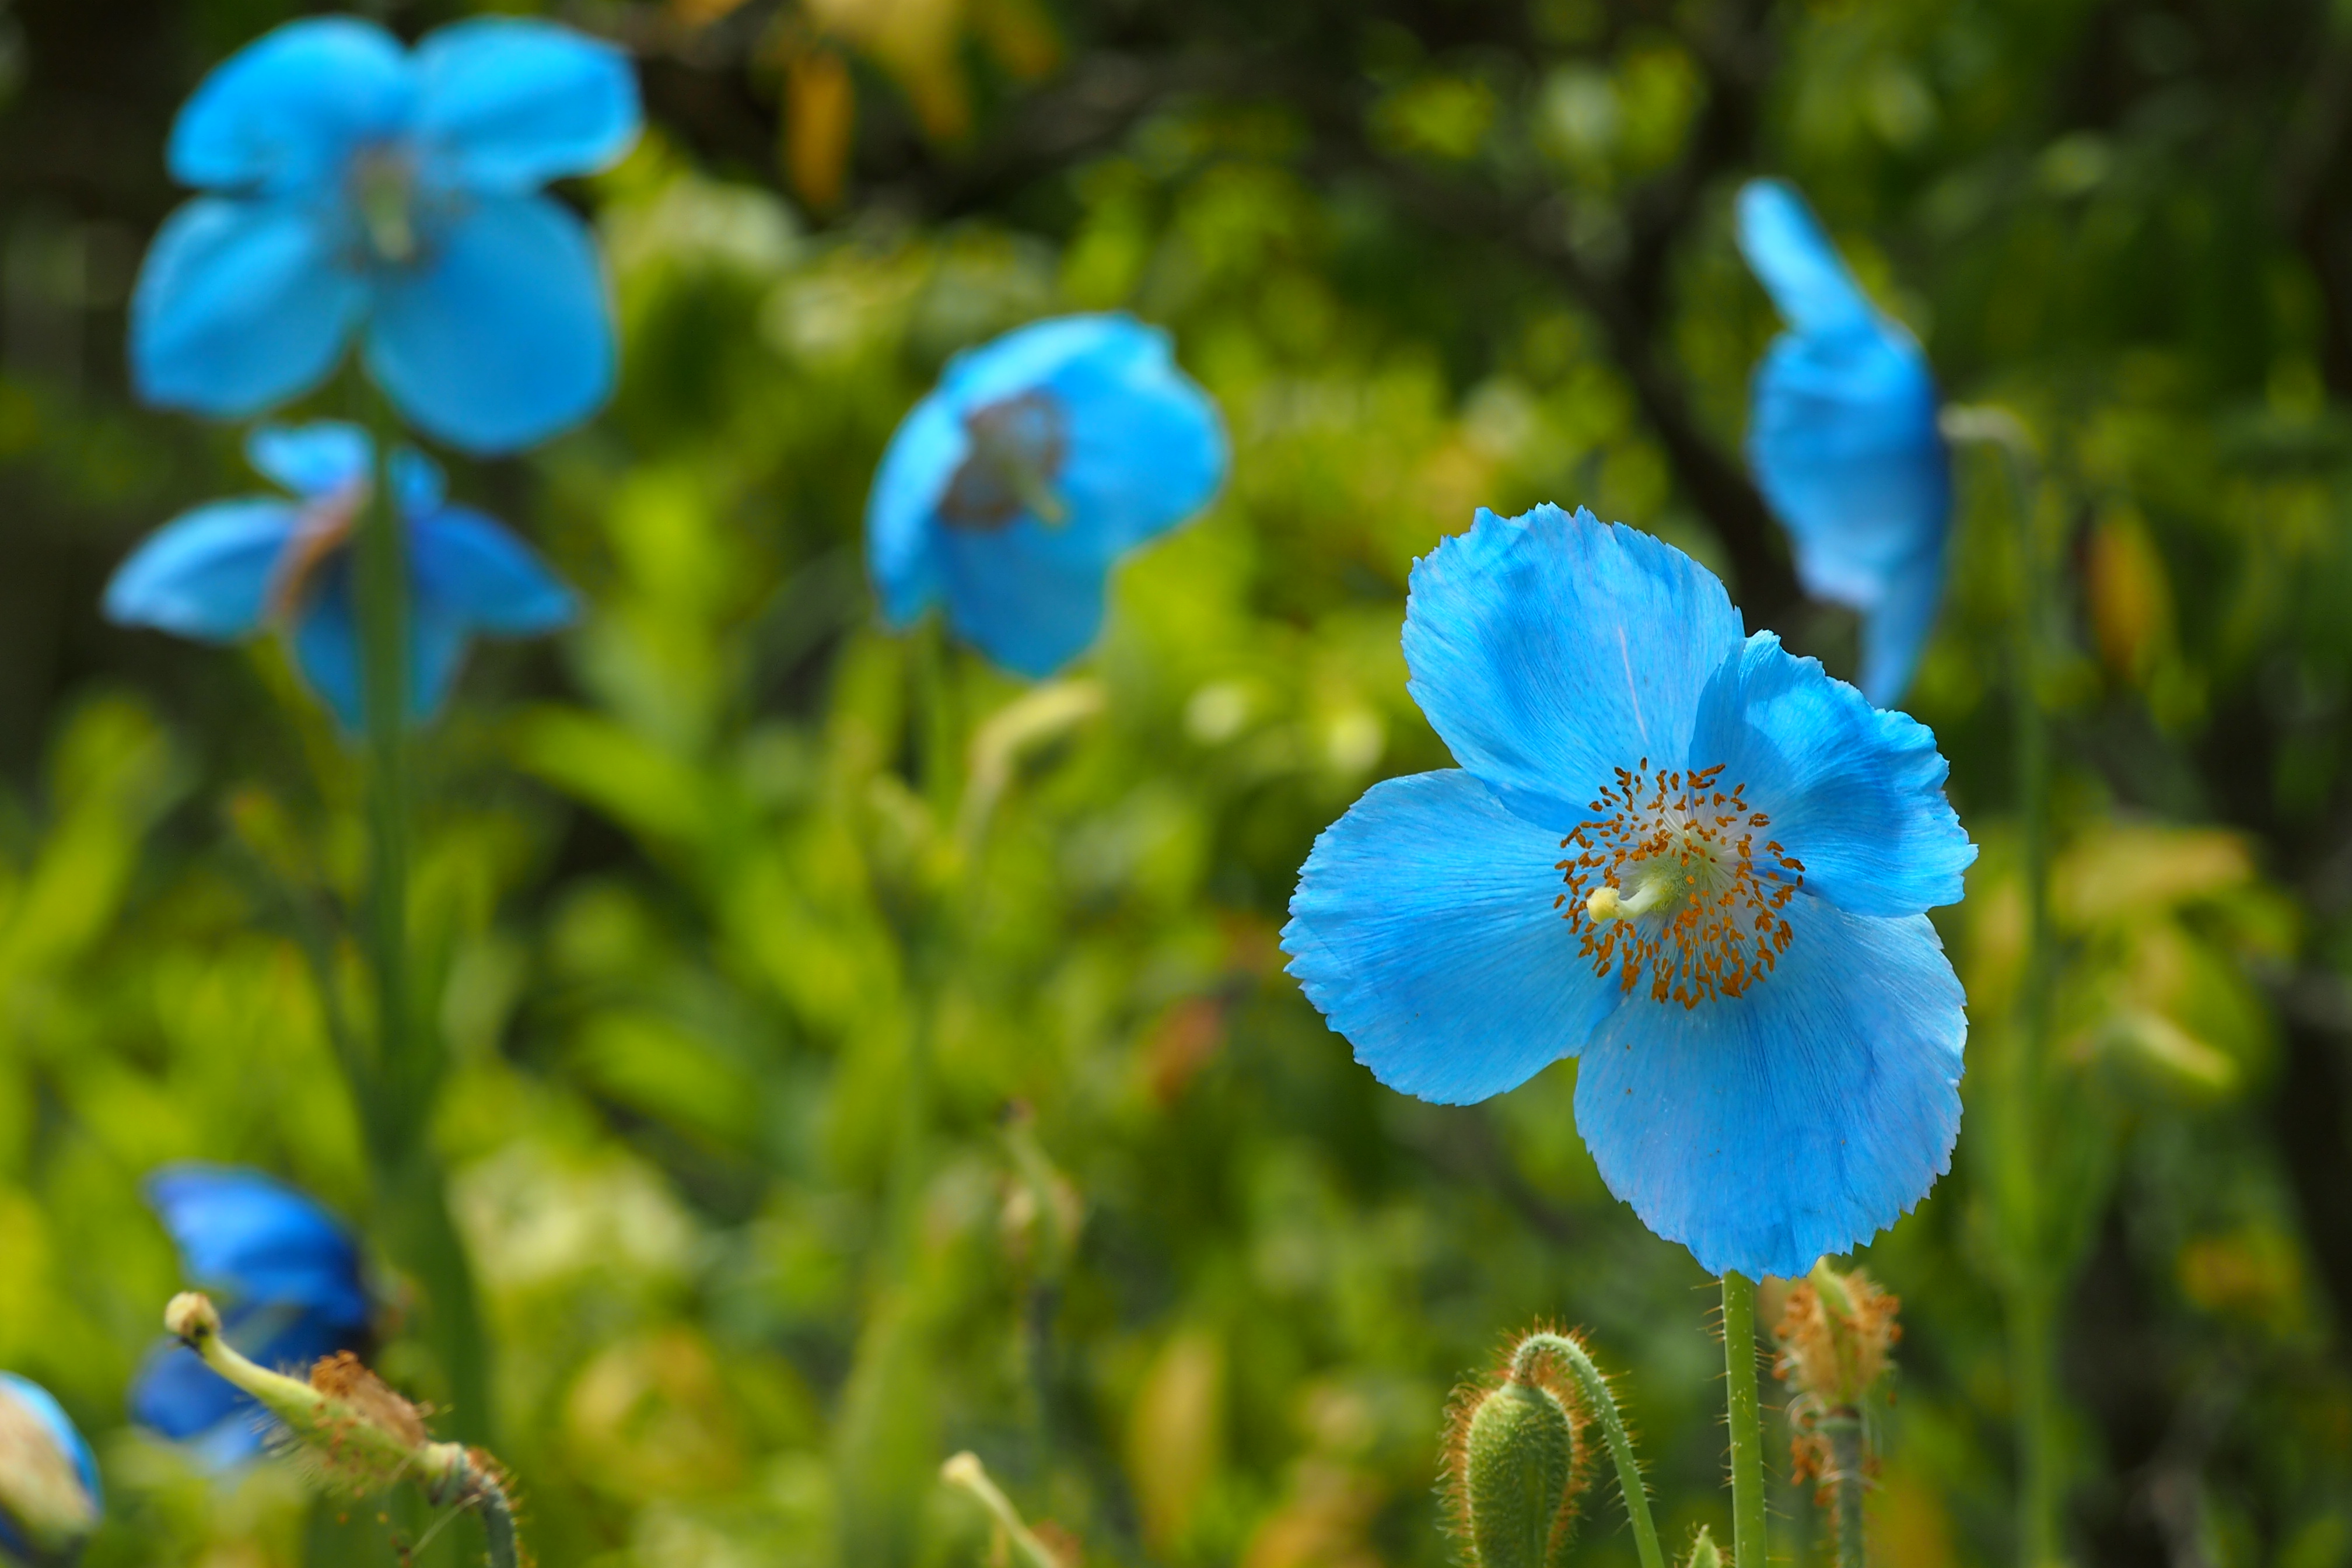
1038,460
1842,440
356,187
289,1274
224,570
49,1495
1683,855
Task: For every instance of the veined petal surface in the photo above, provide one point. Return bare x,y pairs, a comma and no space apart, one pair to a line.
1799,1119
1550,649
503,334
507,103
1856,793
240,304
207,574
1424,928
288,111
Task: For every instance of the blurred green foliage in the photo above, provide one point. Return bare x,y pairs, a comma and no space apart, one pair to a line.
860,1056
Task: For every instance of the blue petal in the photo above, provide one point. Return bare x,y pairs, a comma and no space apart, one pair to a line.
1021,595
1424,929
508,103
1147,448
419,481
1549,650
257,1238
1027,357
466,566
314,460
176,1393
1895,630
45,1409
207,574
901,519
1796,262
1854,793
287,111
324,639
1799,1119
239,305
503,334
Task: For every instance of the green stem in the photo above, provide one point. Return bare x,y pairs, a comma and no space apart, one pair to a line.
1747,1547
1602,1406
1848,1463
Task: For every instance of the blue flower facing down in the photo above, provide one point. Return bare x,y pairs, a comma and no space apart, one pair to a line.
49,1495
355,187
224,570
289,1274
1843,440
1683,855
1038,460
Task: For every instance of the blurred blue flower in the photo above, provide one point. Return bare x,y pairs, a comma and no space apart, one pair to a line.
223,570
49,1495
356,187
289,1275
1842,436
1038,460
1685,856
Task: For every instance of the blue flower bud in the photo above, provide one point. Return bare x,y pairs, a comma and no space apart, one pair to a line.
49,1496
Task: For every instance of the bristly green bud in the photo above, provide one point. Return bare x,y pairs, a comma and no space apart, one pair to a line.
1837,1338
1704,1553
1516,1462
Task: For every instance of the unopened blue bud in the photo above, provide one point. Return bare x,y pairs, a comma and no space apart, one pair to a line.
49,1496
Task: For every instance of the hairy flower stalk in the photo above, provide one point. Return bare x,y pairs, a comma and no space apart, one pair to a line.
354,1431
1835,1337
1518,1456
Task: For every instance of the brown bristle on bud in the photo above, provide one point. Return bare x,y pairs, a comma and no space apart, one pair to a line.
343,1376
1510,1435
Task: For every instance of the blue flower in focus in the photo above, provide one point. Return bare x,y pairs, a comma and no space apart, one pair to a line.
289,1274
222,572
1038,460
1842,436
1682,855
49,1495
356,187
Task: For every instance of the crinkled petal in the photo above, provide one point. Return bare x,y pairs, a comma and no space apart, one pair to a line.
314,460
503,334
1799,1119
1895,631
507,103
901,511
256,1237
287,111
1853,792
207,574
1147,448
1795,261
239,305
38,1403
1424,928
1017,594
1550,649
464,566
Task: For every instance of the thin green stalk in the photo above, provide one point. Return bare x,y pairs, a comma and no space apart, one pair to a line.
1848,1462
1747,1547
1601,1404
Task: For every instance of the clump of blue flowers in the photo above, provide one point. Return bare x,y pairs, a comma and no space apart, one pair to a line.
1680,854
49,1495
353,187
1842,440
226,569
1039,459
290,1273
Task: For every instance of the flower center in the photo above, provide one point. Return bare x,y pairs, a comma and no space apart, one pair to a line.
383,189
1017,447
323,529
1665,882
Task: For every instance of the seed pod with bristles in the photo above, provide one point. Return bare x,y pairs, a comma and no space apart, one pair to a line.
1515,1461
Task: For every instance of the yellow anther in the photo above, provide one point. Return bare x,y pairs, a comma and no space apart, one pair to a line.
1602,904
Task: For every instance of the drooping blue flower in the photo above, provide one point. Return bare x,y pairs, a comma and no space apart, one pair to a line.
355,187
226,570
288,1274
1843,440
1683,856
49,1497
1039,460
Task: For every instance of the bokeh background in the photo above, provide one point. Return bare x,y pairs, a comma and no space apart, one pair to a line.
742,949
